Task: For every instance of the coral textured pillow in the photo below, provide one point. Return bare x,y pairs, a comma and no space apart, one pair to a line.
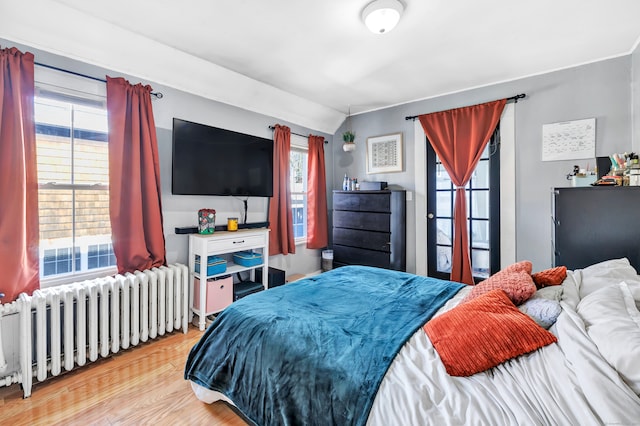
515,280
483,333
552,276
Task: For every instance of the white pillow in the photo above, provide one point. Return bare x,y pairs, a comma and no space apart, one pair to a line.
552,292
612,320
543,311
605,273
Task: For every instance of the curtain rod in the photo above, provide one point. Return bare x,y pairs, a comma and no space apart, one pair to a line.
158,95
512,98
297,134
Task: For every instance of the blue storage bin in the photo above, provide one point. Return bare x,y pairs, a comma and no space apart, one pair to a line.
215,265
247,258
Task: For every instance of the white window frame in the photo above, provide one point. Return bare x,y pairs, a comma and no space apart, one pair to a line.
51,83
301,144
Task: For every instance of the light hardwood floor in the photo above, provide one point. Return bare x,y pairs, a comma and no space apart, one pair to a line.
140,386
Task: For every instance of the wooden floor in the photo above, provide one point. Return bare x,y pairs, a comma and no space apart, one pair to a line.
140,386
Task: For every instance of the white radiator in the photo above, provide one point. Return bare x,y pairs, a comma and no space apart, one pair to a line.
70,325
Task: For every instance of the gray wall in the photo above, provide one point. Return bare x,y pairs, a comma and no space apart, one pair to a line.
181,210
600,90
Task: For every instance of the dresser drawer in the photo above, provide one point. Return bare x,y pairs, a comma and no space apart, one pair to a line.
236,243
362,220
359,256
379,241
362,201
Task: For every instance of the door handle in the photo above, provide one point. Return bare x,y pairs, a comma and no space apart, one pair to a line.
430,216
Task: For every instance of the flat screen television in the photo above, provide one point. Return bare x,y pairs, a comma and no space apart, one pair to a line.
212,161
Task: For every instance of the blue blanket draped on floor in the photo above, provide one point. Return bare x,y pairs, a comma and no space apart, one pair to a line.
315,351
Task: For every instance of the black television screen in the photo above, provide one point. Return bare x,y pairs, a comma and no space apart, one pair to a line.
212,161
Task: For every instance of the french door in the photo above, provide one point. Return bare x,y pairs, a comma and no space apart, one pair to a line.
483,214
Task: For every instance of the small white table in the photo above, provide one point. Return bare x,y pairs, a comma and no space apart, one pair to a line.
223,243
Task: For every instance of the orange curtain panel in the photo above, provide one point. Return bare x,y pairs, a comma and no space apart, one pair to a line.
134,178
281,239
458,137
19,230
317,220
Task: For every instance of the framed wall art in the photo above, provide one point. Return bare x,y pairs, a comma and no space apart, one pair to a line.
384,153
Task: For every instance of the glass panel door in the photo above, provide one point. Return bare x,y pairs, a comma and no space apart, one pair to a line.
483,214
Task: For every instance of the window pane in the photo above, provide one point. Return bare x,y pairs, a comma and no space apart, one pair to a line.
298,171
55,211
444,231
53,141
92,213
443,203
442,178
91,162
91,119
52,113
444,259
480,177
481,263
480,233
299,207
480,207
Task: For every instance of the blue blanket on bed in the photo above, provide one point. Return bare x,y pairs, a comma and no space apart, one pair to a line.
314,352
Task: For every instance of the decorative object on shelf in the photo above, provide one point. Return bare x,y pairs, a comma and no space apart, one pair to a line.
381,16
247,258
215,265
384,153
206,221
232,224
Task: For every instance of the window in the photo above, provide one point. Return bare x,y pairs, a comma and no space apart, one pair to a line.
298,185
73,191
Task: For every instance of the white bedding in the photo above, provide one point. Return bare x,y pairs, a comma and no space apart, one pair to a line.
565,383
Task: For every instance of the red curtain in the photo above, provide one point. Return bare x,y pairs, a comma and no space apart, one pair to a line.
19,230
281,239
134,178
458,137
317,220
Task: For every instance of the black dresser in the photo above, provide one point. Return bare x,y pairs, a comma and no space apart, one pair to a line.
369,228
596,223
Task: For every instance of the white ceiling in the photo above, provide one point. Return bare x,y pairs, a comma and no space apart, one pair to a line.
308,62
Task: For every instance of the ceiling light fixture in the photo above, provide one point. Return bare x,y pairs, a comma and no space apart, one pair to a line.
381,16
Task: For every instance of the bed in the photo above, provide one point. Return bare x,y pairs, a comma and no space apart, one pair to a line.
360,345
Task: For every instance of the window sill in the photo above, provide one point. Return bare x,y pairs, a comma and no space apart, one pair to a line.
74,278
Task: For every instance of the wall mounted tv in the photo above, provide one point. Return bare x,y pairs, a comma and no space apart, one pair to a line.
212,161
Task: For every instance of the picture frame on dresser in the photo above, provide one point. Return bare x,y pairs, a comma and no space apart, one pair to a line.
384,153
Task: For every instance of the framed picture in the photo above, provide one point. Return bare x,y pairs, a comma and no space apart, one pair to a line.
384,153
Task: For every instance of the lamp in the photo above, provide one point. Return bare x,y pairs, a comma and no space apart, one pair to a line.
381,16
